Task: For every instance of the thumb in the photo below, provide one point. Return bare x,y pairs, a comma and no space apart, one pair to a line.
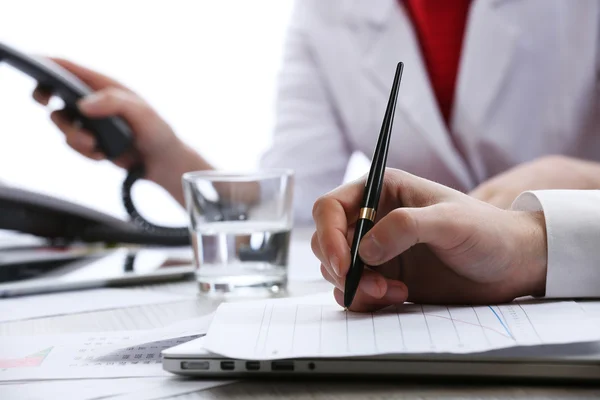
113,101
404,227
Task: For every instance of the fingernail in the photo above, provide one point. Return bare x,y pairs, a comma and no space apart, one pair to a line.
373,286
370,249
88,102
335,264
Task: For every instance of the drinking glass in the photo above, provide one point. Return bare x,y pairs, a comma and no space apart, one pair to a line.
240,226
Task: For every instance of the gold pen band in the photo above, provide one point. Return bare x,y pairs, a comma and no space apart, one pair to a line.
367,213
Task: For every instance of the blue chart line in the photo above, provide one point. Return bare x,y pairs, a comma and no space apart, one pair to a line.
468,323
502,322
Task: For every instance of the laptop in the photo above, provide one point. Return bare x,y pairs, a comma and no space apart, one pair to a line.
578,362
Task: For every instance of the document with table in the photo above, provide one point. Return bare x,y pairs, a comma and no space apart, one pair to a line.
308,328
79,364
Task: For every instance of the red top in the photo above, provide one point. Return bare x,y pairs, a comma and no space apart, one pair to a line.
440,25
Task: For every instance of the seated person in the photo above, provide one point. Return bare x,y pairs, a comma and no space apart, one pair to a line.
490,89
433,244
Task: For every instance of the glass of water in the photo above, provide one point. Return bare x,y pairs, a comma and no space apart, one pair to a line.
240,226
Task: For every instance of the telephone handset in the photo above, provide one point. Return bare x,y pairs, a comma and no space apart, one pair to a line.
112,134
45,216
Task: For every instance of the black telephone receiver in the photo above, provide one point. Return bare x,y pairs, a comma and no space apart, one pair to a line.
56,219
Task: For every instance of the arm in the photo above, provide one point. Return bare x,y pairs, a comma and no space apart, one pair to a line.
308,137
544,173
165,157
573,233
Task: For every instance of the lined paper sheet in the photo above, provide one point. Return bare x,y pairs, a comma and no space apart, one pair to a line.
283,329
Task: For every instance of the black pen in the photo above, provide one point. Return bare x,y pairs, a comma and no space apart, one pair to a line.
366,217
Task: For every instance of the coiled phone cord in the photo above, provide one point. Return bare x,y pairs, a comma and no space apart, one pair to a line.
133,175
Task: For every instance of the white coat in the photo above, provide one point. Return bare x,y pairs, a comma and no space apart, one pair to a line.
527,86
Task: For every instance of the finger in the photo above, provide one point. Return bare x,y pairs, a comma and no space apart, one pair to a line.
64,122
325,264
330,213
114,101
350,234
85,144
316,248
397,293
404,227
372,283
407,190
332,278
42,95
90,77
79,140
82,146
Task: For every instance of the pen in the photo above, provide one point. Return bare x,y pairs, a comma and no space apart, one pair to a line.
366,218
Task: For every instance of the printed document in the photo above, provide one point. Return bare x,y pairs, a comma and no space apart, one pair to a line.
304,328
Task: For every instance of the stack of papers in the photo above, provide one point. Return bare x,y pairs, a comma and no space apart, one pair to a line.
68,362
79,365
46,305
314,326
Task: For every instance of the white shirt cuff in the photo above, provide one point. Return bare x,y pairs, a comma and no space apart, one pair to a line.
573,234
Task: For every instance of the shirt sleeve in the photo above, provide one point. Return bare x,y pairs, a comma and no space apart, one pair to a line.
573,236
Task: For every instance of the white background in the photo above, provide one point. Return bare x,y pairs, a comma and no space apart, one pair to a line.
209,67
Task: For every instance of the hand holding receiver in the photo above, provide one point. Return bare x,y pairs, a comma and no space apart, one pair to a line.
104,119
112,134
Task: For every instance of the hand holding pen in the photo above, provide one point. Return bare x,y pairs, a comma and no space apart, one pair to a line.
445,246
372,193
365,219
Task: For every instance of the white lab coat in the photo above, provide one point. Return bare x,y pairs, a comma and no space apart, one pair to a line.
527,86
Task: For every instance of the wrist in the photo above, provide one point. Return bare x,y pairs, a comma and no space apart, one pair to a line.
532,248
166,169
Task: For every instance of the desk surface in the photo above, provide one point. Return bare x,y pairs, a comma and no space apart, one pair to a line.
154,316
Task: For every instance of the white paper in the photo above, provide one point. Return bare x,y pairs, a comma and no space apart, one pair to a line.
114,389
184,328
84,355
591,308
82,389
169,388
286,329
27,307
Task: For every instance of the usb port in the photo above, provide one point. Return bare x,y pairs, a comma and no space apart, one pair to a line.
282,366
252,365
201,365
227,365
